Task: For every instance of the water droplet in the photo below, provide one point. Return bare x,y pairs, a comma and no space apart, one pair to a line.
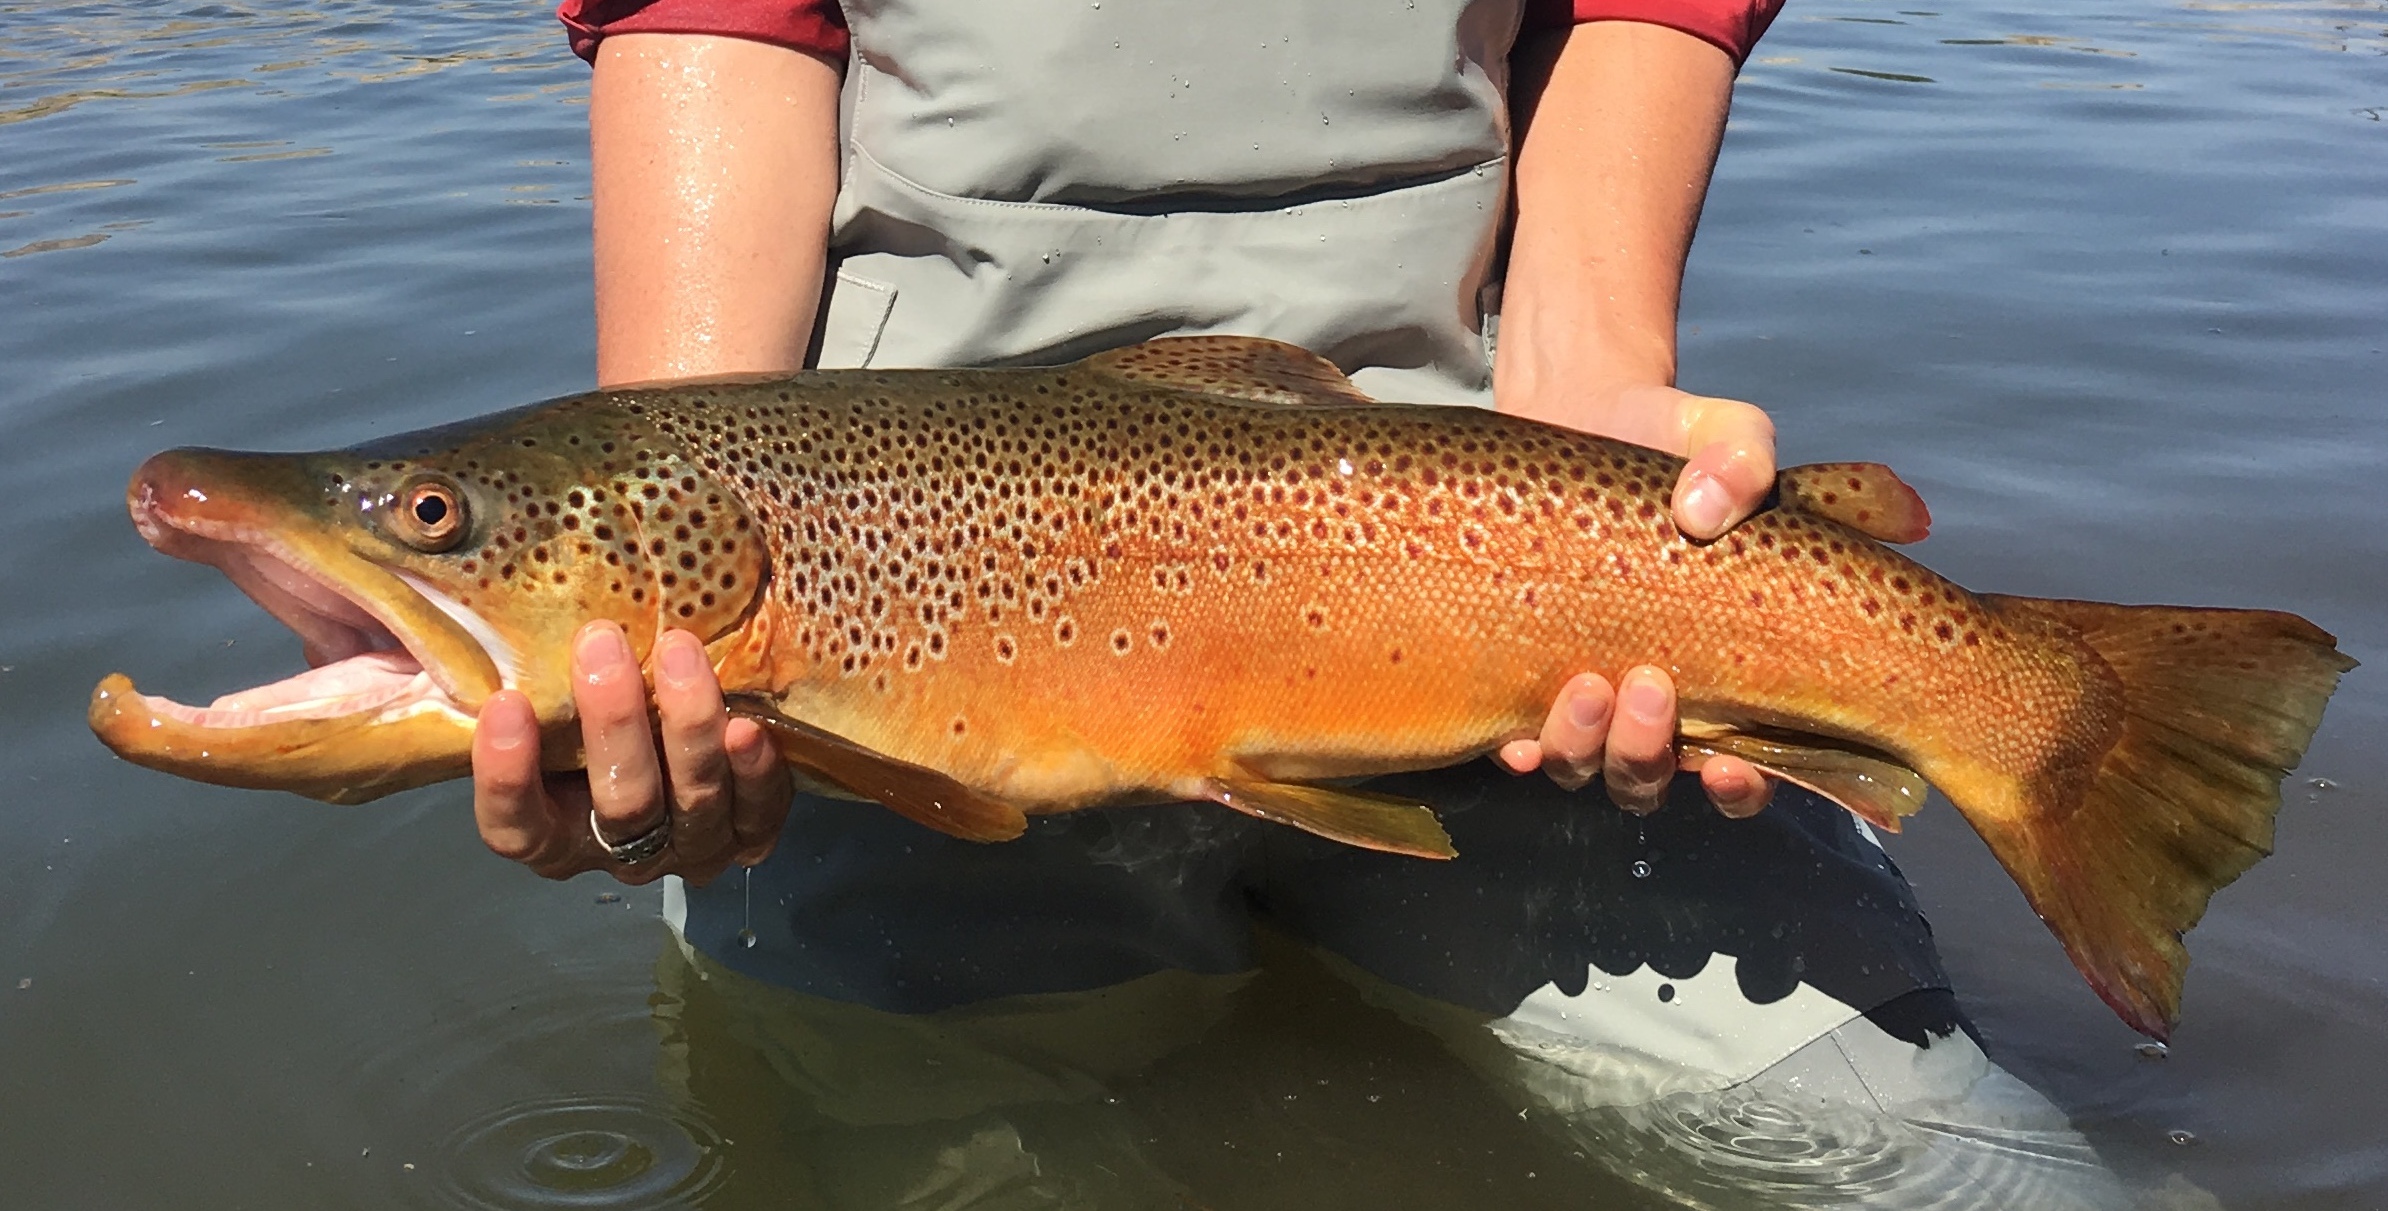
1641,869
2152,1051
1376,1097
1666,994
746,938
2182,1137
607,897
2321,784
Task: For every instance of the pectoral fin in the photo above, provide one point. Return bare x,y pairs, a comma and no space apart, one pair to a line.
916,792
1354,817
1875,789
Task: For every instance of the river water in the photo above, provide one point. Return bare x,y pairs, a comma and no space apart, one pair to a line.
2107,281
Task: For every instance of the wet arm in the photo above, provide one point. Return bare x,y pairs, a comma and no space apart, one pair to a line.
715,163
1621,122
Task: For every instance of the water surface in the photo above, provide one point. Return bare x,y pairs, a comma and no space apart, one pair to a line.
2108,282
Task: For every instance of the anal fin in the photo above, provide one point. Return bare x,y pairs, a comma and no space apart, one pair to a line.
915,792
1355,817
1875,789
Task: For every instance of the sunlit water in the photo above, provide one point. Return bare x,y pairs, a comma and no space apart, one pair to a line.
2109,283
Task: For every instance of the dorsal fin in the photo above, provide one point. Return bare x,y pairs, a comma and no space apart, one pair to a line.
1866,497
1245,367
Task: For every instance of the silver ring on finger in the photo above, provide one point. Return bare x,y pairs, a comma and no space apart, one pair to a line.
639,849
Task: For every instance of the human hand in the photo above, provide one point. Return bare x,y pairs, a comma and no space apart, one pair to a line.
1728,475
720,783
1628,738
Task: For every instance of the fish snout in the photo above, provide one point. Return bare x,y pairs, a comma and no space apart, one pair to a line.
192,491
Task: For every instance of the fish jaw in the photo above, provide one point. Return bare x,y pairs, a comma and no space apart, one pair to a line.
399,669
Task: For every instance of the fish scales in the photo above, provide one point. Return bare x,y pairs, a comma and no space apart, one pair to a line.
1140,583
1209,568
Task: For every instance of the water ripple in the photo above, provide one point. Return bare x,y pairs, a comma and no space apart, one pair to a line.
1750,1146
616,1153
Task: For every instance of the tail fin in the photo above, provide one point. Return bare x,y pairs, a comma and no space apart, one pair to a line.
2218,707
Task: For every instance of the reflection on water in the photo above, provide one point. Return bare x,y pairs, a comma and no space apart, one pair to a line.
54,63
2357,28
2108,283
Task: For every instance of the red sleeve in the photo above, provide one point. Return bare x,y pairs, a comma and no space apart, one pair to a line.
816,26
1733,26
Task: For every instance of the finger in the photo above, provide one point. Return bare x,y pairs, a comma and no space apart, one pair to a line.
688,699
570,849
1520,756
1731,468
625,780
509,801
1735,786
1577,729
764,790
1640,757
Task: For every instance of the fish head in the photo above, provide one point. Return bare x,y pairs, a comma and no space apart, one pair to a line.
424,573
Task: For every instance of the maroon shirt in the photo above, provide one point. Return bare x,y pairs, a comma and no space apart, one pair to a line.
819,26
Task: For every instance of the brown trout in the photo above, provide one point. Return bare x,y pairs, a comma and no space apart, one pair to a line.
1210,569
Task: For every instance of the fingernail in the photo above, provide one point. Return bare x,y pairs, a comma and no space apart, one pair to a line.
506,727
1521,756
1647,701
681,660
1587,709
749,756
601,651
1701,510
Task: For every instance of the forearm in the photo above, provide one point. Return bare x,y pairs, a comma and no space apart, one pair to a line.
1621,123
715,164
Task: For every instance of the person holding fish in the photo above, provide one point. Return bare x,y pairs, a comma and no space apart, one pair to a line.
1455,201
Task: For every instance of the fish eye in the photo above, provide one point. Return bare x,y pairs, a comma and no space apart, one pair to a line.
430,515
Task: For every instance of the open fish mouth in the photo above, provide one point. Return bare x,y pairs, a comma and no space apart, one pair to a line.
359,663
397,669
